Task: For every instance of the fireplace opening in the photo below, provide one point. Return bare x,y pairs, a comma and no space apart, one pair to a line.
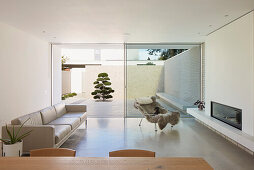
227,114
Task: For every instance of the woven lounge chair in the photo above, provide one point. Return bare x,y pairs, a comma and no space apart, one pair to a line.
147,106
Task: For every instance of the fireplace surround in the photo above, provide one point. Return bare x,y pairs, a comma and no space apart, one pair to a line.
227,114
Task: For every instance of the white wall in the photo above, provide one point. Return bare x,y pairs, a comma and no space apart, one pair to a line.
25,73
57,75
182,75
76,80
66,82
143,80
230,68
116,75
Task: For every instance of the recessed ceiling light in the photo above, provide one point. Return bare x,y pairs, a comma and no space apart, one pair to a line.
126,34
225,15
198,33
53,37
43,32
210,25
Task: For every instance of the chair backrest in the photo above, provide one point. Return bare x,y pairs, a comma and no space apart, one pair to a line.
53,152
131,153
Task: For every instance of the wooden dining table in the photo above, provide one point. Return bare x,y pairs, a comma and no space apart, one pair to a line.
123,163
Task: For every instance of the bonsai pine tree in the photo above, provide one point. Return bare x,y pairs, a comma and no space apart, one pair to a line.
102,89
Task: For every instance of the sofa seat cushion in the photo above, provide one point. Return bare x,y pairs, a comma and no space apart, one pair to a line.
74,122
80,115
61,131
60,109
48,115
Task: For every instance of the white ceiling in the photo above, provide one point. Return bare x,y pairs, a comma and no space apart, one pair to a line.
111,21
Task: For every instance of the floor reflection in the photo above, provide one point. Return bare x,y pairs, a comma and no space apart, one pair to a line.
187,139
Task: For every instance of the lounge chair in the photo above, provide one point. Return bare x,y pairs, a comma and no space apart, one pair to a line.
148,105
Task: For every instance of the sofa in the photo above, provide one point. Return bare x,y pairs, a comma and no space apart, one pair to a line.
51,126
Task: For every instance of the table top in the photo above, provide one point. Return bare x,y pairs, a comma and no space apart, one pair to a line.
78,163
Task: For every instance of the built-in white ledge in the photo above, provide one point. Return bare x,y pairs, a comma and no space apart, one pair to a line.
228,131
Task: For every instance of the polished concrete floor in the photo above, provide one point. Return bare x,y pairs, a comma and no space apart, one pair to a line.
187,139
115,108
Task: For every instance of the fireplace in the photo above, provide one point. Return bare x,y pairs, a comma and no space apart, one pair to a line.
227,114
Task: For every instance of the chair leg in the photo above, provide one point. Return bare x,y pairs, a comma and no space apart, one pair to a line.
140,122
155,127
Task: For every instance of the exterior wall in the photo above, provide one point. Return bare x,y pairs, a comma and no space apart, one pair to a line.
203,60
183,75
230,68
25,77
76,80
66,82
116,75
143,80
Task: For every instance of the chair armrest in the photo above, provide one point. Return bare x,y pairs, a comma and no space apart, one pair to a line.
75,108
42,136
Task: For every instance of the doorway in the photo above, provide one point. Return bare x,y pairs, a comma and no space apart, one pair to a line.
77,70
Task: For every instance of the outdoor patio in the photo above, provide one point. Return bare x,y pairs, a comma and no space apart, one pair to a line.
115,108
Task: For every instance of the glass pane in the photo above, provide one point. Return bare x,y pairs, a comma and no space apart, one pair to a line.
147,74
81,67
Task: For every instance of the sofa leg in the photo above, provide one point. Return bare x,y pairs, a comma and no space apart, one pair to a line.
140,122
86,123
155,127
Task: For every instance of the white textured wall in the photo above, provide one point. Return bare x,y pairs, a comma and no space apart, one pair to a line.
116,74
57,75
66,82
144,80
25,74
182,75
230,70
203,60
76,80
141,80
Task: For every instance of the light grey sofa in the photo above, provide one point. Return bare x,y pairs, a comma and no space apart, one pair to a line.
51,127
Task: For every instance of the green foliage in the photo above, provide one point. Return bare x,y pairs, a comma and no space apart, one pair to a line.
100,79
70,95
13,136
107,83
65,96
64,59
103,75
165,53
94,93
150,63
102,89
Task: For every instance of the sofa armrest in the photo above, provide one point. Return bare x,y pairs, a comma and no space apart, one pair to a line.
42,136
75,108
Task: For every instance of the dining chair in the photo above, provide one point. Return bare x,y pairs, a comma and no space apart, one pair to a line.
53,152
131,153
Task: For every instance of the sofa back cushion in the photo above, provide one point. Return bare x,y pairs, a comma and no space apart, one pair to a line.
31,119
60,109
48,115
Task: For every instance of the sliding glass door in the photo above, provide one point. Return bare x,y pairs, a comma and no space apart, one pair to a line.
130,71
91,74
146,74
